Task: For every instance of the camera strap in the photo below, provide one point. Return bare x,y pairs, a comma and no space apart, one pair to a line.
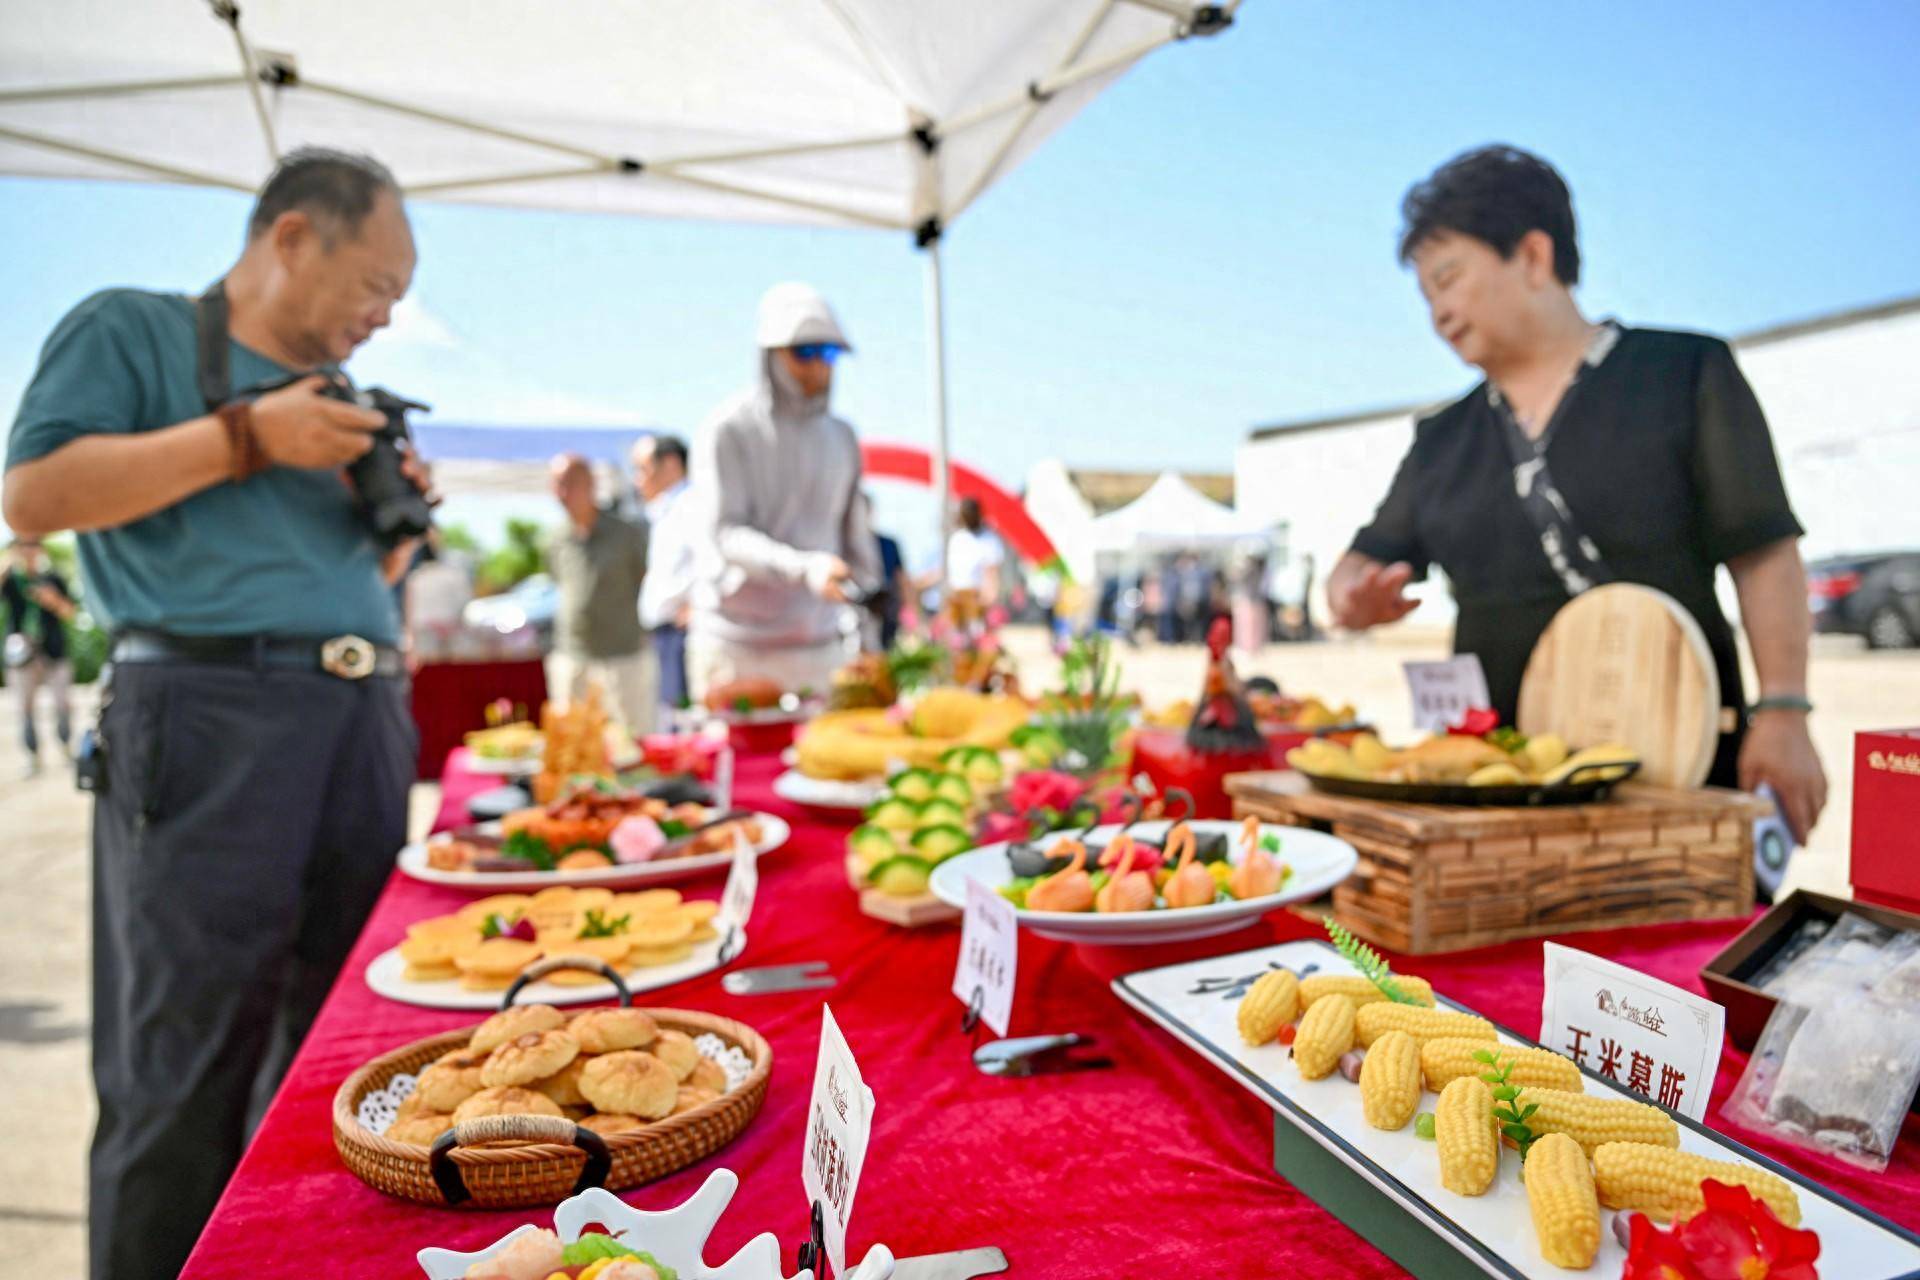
213,359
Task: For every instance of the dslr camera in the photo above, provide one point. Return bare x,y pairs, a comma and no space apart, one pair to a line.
393,508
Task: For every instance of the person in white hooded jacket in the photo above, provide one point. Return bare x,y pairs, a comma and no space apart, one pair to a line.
778,476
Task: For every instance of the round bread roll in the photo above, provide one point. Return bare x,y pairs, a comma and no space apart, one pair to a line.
509,1024
629,1082
691,1097
533,1056
611,1030
709,1075
611,1122
563,1086
420,1129
451,1080
675,1048
508,1101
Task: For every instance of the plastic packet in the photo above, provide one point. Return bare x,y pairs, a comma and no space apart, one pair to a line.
1838,1075
1851,956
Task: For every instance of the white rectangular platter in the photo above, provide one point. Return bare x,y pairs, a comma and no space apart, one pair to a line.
1197,1001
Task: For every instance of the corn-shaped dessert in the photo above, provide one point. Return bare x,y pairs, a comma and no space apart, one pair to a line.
1445,1060
1463,1130
1375,1020
1361,990
1270,1004
1566,1212
1591,1121
1326,1032
1665,1184
1390,1081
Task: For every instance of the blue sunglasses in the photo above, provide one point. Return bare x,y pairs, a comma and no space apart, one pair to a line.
827,351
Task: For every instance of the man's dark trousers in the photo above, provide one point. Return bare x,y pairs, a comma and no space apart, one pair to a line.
250,819
670,649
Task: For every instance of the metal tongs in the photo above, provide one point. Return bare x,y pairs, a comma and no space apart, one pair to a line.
1035,1055
777,977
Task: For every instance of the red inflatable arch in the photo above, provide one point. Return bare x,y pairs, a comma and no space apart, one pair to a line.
1002,510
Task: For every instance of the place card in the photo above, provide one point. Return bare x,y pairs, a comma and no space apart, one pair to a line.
1443,692
989,955
839,1122
1645,1035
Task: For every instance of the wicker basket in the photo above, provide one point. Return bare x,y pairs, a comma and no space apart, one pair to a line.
544,1172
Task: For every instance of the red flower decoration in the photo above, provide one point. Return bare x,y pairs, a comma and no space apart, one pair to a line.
1477,723
998,827
1146,857
1735,1237
1045,789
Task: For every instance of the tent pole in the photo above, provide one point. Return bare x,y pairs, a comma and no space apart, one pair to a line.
937,354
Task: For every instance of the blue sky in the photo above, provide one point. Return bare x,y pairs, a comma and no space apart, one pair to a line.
1209,246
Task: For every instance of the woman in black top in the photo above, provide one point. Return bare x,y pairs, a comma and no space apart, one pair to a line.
1591,453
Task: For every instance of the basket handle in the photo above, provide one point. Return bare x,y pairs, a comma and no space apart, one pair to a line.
553,964
556,1129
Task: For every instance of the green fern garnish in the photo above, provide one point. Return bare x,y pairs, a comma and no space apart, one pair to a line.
1508,1108
1368,961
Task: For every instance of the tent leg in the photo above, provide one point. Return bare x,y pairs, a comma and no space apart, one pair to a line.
937,356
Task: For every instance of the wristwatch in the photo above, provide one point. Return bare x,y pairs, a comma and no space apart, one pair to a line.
1781,702
247,459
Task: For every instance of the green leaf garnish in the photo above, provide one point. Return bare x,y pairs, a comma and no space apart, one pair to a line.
524,846
598,926
1369,962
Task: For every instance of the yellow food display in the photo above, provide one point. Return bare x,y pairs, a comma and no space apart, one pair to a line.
1361,990
1447,1059
1270,1003
1664,1183
1390,1081
1592,1121
1326,1032
1423,1024
1456,758
1566,1212
863,743
1463,1130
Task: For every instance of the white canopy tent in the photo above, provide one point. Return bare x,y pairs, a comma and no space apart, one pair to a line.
1172,515
891,114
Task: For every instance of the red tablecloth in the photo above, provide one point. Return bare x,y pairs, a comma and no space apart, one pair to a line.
450,700
1160,1167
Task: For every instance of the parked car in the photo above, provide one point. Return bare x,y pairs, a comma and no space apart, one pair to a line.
532,603
1876,596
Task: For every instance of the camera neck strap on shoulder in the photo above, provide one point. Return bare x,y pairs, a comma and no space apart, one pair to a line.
213,358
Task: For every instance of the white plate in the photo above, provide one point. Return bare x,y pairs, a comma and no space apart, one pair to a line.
1198,1002
677,1237
823,793
1319,862
386,975
413,860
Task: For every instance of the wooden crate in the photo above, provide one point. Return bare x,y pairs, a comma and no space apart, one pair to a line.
1444,878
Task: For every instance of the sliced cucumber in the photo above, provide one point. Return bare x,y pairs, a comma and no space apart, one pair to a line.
983,767
872,845
954,787
938,843
912,784
940,813
894,814
902,875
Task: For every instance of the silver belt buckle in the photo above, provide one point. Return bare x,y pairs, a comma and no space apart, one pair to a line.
349,657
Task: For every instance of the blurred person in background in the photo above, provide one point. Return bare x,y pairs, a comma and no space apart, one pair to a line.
1248,591
787,540
666,597
975,559
599,563
255,743
38,607
1590,453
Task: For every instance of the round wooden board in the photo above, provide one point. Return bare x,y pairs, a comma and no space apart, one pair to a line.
1626,663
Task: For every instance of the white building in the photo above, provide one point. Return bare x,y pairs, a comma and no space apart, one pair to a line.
1841,393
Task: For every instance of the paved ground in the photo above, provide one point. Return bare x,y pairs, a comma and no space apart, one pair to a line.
47,1108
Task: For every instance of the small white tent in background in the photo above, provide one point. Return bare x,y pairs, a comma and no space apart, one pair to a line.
1170,516
893,114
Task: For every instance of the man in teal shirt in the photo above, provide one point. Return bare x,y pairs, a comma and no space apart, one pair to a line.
257,740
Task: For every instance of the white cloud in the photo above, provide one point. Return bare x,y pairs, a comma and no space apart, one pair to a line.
414,325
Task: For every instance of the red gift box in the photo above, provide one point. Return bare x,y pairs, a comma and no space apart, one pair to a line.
1886,818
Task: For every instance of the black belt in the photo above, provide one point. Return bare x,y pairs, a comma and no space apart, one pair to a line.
348,657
